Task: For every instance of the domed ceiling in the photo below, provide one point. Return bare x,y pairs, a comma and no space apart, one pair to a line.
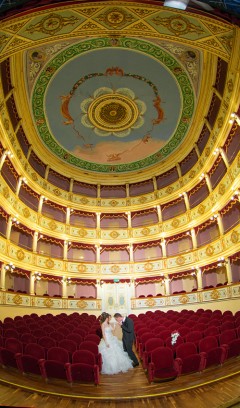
129,106
113,88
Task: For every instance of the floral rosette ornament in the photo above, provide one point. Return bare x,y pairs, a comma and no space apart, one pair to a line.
174,336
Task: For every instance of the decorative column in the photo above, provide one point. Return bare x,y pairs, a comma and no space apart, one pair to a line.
186,200
65,250
167,286
159,213
64,287
194,238
98,220
35,241
197,150
164,250
99,191
127,190
3,278
154,183
31,286
98,253
229,271
3,157
99,290
19,183
71,185
129,219
224,156
220,224
9,227
132,288
40,204
199,278
29,152
178,167
46,172
131,253
208,181
68,213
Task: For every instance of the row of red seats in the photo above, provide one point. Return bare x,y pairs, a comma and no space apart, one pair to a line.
83,364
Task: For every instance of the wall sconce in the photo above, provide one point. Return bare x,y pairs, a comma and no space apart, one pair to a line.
234,117
37,276
10,267
221,262
67,280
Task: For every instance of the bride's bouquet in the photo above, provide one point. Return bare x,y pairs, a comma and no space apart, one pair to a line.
174,336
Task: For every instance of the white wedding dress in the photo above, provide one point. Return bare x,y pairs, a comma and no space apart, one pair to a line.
114,358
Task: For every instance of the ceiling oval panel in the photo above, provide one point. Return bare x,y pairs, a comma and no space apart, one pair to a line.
102,108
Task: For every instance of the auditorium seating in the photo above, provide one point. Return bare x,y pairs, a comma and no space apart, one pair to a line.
163,366
83,368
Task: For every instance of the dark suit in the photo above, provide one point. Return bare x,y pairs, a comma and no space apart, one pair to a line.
128,338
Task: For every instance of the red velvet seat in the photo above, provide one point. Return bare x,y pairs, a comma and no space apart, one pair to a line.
183,331
164,334
150,345
54,366
47,342
194,337
11,333
93,337
68,345
8,352
211,331
227,326
229,338
83,368
191,360
142,340
27,338
57,336
93,347
75,337
162,365
28,362
214,354
81,332
38,333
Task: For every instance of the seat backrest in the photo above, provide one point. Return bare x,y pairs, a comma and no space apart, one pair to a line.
14,345
34,350
162,357
83,356
11,333
186,349
75,337
208,343
179,341
153,343
58,354
28,338
93,337
164,334
211,331
68,345
90,346
46,342
227,336
193,336
227,326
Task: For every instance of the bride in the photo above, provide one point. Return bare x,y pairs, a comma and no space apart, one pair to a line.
114,359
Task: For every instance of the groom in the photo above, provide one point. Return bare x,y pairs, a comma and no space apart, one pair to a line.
128,336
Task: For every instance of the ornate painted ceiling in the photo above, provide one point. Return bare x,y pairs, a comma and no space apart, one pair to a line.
113,87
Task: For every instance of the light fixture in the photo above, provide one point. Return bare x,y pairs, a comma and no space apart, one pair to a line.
234,117
10,267
37,276
67,280
178,4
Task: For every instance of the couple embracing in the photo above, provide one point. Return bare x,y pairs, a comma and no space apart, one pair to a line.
117,355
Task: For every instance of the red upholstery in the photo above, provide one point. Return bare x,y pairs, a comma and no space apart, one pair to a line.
230,339
194,337
28,362
142,340
90,346
162,365
93,337
68,345
47,342
214,354
83,368
7,353
54,366
227,326
150,345
164,334
211,331
75,337
57,336
191,360
11,333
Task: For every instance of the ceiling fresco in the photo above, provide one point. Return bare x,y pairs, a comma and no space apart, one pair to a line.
97,106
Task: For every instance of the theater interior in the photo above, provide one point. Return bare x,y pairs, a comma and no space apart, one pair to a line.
119,192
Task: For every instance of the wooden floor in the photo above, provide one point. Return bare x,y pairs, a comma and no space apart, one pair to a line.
217,387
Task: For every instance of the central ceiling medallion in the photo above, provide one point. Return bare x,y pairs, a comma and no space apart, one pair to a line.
113,112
